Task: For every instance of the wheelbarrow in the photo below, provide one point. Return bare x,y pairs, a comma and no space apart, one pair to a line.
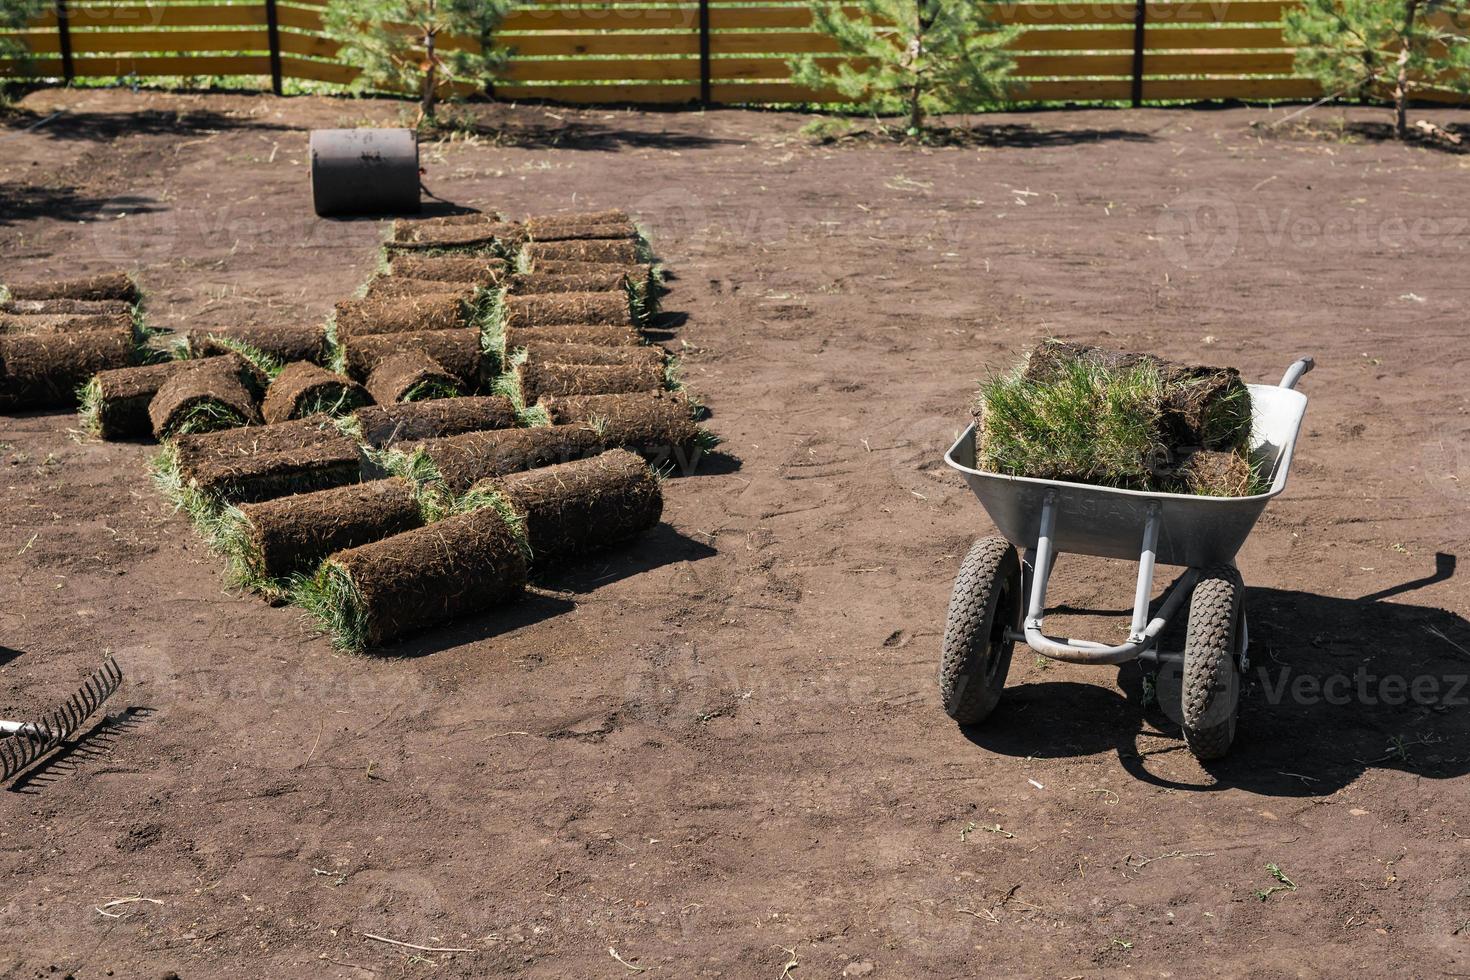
1000,598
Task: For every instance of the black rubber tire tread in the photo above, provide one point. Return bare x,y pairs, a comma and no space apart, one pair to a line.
968,695
1210,690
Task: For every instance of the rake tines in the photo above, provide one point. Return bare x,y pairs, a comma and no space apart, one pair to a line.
29,741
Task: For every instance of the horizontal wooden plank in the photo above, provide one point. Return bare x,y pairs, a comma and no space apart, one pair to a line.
1245,89
149,67
91,15
552,44
317,71
311,45
809,42
83,42
726,69
301,18
1220,63
600,19
732,93
1193,38
583,94
600,69
1218,12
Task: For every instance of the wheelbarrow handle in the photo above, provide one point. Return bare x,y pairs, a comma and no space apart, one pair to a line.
1298,368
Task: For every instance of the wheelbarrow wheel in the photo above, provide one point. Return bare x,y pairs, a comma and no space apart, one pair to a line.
977,654
1211,681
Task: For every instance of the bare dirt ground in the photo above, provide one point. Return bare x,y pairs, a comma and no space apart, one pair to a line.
720,753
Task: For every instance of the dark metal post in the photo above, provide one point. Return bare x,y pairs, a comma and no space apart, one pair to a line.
273,31
1140,15
63,29
704,69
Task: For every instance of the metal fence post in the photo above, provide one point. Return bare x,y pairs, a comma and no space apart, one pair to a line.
63,30
704,68
1140,15
273,32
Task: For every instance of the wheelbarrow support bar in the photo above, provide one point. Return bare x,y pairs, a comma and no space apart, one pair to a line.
1144,631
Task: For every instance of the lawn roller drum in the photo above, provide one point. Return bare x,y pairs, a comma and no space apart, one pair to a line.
364,171
1000,598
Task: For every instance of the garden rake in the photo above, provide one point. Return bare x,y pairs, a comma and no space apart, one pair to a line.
23,742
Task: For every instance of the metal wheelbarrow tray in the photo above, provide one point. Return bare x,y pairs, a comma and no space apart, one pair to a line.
1046,517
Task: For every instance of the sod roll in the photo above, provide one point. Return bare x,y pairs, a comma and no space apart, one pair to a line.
399,287
459,238
303,388
523,284
558,309
76,307
659,425
609,216
464,459
481,270
202,396
410,376
293,534
45,370
109,285
385,424
454,220
115,402
572,267
406,314
611,230
457,351
541,379
527,337
262,462
583,506
549,353
380,592
597,250
285,344
63,322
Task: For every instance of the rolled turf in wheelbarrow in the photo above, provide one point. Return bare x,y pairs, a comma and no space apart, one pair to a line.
627,354
525,284
283,344
409,314
527,337
275,538
205,395
597,250
482,270
46,370
377,593
411,376
400,287
457,351
262,462
303,388
383,425
63,322
539,379
559,309
108,285
465,459
658,425
580,507
114,403
76,307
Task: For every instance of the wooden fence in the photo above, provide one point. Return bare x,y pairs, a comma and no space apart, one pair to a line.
708,51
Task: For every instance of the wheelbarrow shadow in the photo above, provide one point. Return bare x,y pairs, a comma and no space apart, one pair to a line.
1336,687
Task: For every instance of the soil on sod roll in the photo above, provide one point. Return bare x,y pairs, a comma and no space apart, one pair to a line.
285,344
481,270
561,309
45,370
63,322
407,314
588,282
457,351
540,379
583,506
659,424
456,238
293,534
410,376
303,388
262,462
83,307
518,337
611,230
549,353
110,285
389,589
202,396
596,250
398,287
116,400
382,425
465,459
571,267
449,221
610,216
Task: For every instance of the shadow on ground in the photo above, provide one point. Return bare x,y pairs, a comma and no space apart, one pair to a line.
71,124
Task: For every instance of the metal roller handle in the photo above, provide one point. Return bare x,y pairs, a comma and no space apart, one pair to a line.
1298,368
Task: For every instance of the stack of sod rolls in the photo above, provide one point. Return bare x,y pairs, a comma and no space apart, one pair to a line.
1089,415
464,423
